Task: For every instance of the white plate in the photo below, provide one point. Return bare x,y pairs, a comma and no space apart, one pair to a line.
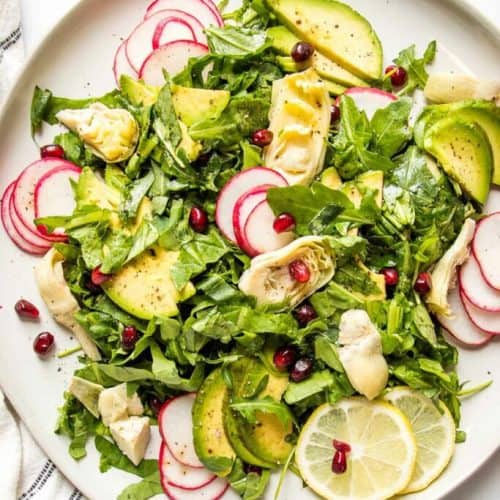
75,60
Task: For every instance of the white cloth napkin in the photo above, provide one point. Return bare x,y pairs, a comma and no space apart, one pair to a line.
25,471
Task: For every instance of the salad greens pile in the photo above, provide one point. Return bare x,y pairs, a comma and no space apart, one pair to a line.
420,217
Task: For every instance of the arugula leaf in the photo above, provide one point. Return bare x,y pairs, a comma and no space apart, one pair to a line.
317,382
143,490
136,192
165,111
236,41
39,103
248,407
326,351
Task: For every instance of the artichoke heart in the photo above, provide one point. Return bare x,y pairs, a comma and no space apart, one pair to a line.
299,119
110,133
268,278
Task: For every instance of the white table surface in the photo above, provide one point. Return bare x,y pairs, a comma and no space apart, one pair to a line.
38,17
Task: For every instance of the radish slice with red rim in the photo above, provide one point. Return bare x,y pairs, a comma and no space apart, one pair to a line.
11,229
487,321
166,29
475,288
460,327
121,66
259,234
236,187
204,10
176,429
369,100
140,42
54,194
243,208
172,57
23,201
212,491
486,248
180,475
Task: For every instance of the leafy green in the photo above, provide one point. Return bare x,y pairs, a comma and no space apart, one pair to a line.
317,382
147,488
236,41
248,407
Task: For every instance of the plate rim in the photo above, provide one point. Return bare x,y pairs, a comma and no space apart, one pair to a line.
464,6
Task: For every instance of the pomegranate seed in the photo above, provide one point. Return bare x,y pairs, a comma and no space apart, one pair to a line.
423,284
249,468
304,314
284,358
339,462
391,276
334,113
262,137
341,446
301,369
302,51
299,271
99,278
129,338
198,219
284,222
155,403
398,75
43,343
93,289
52,151
26,309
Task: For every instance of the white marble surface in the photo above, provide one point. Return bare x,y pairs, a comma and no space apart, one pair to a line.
39,17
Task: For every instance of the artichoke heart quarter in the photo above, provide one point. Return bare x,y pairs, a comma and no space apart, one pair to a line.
110,133
268,278
299,119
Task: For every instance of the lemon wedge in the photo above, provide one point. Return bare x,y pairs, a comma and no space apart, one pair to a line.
382,455
434,431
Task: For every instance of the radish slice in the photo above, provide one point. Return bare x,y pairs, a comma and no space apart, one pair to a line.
176,429
167,27
171,57
259,234
23,200
140,42
486,321
121,66
243,208
182,476
460,326
370,100
204,10
477,291
54,194
212,491
10,228
486,248
236,187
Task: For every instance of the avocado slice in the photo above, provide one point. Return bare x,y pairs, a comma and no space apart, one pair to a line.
283,41
143,287
90,190
138,92
210,440
336,30
464,152
331,178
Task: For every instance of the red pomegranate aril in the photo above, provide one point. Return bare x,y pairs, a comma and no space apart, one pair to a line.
423,284
129,338
339,462
284,358
52,151
262,137
304,314
26,309
98,278
302,51
284,222
341,446
391,276
43,343
198,219
155,403
301,369
398,75
334,113
299,271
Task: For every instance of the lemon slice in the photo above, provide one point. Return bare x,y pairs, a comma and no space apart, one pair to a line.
434,431
383,450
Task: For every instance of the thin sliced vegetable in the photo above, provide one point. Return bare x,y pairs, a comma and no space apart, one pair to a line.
169,28
487,321
486,248
121,65
204,10
370,100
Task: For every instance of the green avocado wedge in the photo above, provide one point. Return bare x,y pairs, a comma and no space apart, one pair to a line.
336,30
210,440
463,151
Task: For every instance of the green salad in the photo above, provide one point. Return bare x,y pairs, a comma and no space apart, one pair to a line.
323,289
